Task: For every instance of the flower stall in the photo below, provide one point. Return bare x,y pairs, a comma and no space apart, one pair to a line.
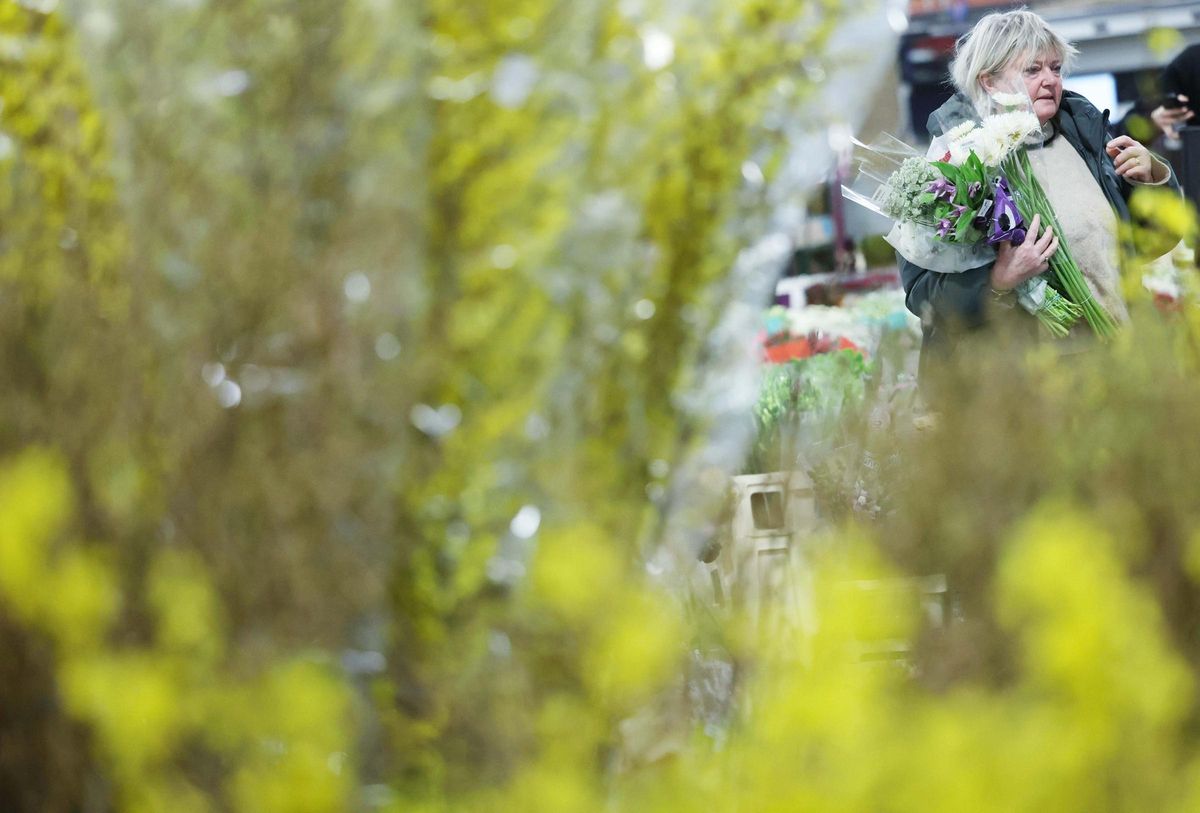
827,371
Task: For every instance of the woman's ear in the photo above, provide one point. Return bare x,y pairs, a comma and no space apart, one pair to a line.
987,82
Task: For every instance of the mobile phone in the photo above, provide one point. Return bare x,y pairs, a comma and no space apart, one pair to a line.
1172,101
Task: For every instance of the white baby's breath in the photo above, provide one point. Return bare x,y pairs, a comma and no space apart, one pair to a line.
899,197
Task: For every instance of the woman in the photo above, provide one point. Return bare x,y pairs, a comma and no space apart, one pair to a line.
1087,176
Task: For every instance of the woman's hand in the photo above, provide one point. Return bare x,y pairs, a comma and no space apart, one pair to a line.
1134,162
1015,264
1169,119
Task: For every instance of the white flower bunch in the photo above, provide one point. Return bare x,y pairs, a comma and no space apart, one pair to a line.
986,144
1014,127
995,137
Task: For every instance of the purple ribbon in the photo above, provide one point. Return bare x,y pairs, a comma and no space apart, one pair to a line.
1006,219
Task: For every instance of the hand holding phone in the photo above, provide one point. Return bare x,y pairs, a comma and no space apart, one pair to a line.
1173,101
1172,113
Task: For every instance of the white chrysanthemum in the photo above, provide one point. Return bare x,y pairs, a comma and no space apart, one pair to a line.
1001,134
1011,100
991,151
960,131
958,152
989,145
1016,126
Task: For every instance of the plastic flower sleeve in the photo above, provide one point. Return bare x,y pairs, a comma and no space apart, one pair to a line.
1010,103
920,246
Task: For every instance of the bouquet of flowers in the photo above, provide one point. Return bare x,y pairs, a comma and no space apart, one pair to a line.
974,189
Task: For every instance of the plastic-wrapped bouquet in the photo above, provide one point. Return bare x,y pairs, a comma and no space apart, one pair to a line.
973,190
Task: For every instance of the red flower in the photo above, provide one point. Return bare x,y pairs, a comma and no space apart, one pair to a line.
795,349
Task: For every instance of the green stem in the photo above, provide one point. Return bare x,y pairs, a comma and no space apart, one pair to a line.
1058,313
1022,180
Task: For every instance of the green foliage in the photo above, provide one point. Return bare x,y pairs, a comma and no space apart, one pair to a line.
823,392
344,294
971,174
147,706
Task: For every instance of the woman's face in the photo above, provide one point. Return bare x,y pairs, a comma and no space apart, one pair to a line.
1043,80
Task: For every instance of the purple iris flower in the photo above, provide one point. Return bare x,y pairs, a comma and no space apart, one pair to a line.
942,190
1006,219
973,189
950,222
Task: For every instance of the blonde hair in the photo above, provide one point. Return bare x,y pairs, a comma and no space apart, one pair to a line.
1000,41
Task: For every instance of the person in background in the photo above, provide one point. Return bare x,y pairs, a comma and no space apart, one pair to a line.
1165,107
1180,84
